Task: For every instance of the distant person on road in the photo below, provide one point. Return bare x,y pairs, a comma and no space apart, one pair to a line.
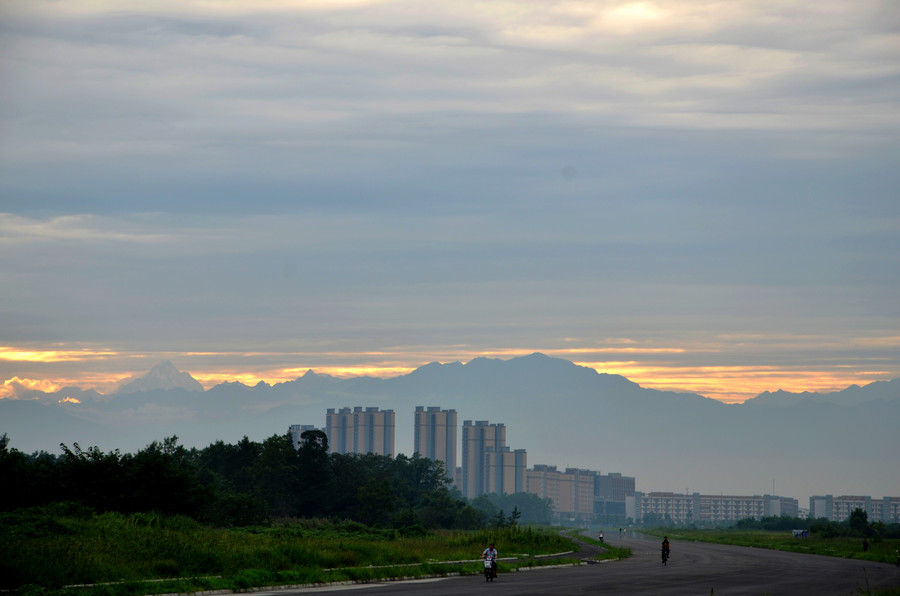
601,536
491,553
665,548
865,545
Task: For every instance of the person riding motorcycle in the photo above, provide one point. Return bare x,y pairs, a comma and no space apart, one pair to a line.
665,549
491,553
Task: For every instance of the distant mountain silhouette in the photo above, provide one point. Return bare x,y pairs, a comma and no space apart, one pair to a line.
853,395
561,413
49,423
162,376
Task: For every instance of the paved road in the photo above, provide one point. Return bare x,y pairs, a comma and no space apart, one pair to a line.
693,569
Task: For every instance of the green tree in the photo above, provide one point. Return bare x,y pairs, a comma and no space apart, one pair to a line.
858,522
277,477
440,510
531,508
315,472
15,470
651,520
376,503
93,478
513,519
162,477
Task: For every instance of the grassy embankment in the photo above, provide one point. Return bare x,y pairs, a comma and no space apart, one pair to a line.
52,552
612,552
882,551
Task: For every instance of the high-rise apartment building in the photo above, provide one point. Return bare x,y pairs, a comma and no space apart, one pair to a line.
435,436
361,430
505,471
339,428
298,429
476,438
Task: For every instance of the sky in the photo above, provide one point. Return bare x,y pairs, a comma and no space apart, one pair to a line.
698,195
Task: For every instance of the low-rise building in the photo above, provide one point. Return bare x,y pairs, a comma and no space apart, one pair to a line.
839,508
890,510
686,509
571,492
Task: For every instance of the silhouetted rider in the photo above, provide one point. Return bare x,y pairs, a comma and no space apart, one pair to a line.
491,553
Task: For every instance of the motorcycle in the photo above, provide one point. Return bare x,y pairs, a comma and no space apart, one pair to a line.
490,569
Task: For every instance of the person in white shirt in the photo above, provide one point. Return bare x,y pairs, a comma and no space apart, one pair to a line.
491,553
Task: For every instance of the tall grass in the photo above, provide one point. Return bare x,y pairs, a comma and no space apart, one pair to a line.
610,551
51,548
883,551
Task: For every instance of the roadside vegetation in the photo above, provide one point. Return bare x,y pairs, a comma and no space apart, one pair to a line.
883,551
854,538
834,539
66,549
253,483
171,520
611,552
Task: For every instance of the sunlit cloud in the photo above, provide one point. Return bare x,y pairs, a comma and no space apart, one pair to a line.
19,355
877,342
211,379
736,384
207,7
69,400
630,17
362,371
16,229
15,386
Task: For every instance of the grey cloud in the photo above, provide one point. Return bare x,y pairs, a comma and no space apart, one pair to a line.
734,170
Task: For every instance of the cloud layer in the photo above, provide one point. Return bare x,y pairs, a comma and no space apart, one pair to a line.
324,182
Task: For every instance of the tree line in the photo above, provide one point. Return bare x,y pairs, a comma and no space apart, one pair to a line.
253,483
855,526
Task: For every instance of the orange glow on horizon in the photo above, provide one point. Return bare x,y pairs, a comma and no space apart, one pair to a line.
732,384
11,386
273,377
346,372
650,364
16,355
729,384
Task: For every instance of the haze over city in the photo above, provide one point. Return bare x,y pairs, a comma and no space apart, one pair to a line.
699,196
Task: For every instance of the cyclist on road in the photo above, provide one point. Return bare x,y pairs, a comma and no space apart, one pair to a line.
665,549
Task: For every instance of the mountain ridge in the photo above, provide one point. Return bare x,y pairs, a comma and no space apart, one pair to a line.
163,375
561,413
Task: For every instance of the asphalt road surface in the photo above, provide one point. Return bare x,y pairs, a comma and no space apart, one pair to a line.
694,568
